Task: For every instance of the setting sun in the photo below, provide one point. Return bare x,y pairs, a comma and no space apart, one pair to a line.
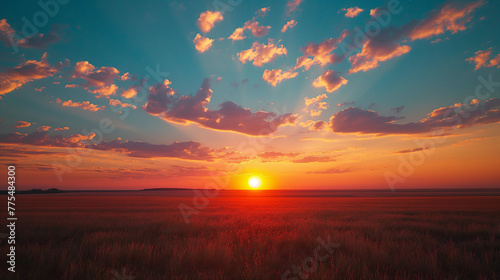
254,182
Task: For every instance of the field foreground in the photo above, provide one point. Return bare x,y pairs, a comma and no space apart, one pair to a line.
146,237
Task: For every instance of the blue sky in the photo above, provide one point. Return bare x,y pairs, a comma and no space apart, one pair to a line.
130,37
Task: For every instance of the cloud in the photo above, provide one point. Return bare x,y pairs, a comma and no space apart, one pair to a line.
21,124
321,53
317,105
388,43
452,17
26,72
252,25
292,5
482,59
118,103
202,44
184,150
85,105
289,25
61,128
164,102
38,41
238,34
99,82
383,47
412,150
275,76
208,19
346,104
262,12
331,171
261,54
310,159
355,120
352,12
44,128
330,80
276,155
398,109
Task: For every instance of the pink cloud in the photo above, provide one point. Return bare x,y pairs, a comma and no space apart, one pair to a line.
321,53
275,76
355,120
261,54
289,25
85,105
208,19
330,80
183,150
292,5
202,44
164,102
99,82
262,12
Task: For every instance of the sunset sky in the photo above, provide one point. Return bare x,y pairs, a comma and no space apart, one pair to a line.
302,94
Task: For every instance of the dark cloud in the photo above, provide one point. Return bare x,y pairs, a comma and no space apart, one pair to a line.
355,120
167,104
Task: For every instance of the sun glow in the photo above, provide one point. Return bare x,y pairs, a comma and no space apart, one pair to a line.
255,182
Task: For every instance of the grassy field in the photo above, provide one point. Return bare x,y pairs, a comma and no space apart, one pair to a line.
96,237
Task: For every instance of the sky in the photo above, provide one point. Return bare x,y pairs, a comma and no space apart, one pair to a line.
302,94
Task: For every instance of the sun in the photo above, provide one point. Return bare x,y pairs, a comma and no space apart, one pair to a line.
255,182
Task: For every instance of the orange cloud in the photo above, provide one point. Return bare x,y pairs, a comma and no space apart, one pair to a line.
330,80
26,72
289,25
352,12
252,25
482,59
43,128
452,17
261,54
118,103
202,44
21,124
238,34
86,105
275,76
317,106
208,19
61,128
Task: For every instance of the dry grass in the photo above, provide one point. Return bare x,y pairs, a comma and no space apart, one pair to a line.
86,237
